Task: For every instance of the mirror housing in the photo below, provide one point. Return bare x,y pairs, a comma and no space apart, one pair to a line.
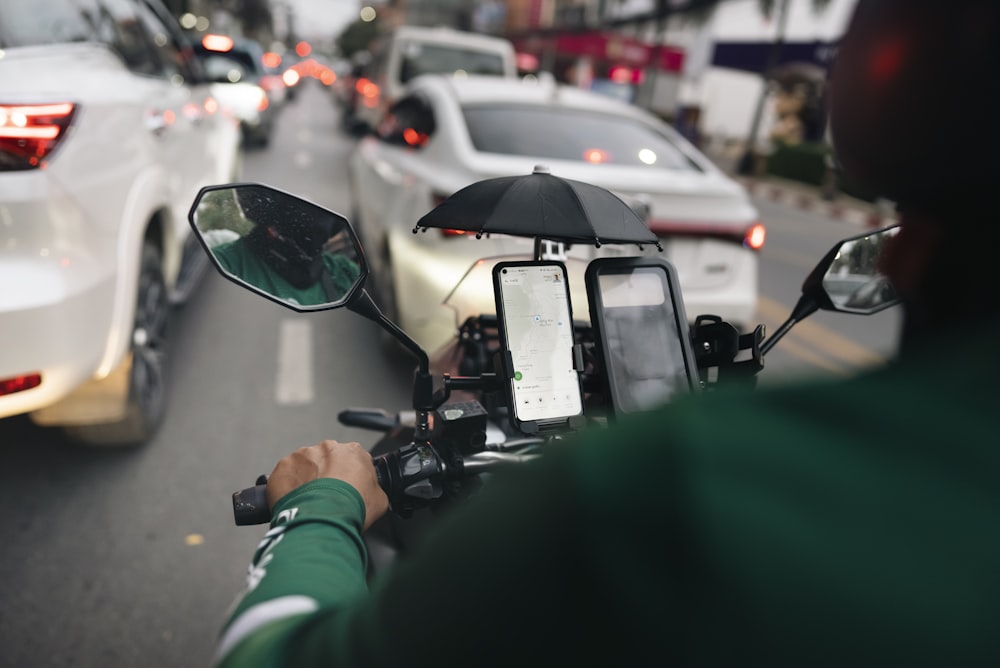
282,247
847,279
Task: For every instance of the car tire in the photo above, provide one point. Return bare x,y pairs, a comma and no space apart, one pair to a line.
147,387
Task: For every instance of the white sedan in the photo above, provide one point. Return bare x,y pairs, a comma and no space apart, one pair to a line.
447,132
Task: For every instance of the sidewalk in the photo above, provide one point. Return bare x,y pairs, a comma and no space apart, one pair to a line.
805,196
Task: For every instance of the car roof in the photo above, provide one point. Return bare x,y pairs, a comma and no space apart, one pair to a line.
446,35
482,89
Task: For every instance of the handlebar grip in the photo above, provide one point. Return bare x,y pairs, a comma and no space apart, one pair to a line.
368,418
250,504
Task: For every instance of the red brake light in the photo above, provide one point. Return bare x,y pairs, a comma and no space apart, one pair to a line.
750,236
271,59
366,87
20,383
414,138
218,43
595,156
30,132
755,236
272,82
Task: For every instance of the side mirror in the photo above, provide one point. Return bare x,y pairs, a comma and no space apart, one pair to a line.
280,246
848,279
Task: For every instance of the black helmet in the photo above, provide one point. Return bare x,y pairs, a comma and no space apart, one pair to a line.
288,234
911,100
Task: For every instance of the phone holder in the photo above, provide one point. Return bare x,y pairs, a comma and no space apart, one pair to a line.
503,362
716,345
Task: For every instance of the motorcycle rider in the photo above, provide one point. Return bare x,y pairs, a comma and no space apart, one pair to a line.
822,524
286,253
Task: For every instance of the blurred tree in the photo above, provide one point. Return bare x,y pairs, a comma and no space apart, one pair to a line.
255,16
357,36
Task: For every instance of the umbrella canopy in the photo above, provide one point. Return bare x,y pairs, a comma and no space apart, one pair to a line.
541,206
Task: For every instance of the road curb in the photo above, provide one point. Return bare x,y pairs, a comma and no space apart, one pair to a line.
846,209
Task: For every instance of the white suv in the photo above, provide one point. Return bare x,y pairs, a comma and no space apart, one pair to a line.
107,131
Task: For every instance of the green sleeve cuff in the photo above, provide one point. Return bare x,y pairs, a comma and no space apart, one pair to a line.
319,499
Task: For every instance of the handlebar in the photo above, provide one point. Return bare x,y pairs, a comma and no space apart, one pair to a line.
411,477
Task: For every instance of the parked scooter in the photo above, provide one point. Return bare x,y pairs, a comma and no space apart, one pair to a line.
518,376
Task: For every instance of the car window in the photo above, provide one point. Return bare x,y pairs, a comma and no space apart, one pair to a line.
174,62
571,134
419,58
39,22
122,28
237,64
221,67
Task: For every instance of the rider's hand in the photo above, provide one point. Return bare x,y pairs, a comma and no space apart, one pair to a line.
330,459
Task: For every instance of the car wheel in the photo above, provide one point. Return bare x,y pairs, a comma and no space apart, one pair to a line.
147,395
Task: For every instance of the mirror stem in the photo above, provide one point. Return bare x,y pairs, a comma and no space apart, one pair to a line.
423,382
363,304
803,309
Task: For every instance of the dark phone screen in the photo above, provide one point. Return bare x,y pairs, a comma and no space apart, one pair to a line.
644,351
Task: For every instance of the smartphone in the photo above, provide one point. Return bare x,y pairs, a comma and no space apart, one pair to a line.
642,332
535,322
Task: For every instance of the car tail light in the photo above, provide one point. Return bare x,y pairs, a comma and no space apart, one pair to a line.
262,100
221,43
366,87
755,236
20,383
30,132
750,236
414,138
273,82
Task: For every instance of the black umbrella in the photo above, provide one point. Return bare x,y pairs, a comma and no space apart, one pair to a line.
541,206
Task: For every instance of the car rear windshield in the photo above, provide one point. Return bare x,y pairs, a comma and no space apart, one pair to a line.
421,58
571,134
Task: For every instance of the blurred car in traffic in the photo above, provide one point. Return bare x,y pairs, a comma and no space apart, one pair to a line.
446,132
107,131
243,83
410,51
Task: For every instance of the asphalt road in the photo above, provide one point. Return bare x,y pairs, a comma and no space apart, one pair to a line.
120,558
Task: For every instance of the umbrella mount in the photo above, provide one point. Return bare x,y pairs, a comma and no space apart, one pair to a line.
550,249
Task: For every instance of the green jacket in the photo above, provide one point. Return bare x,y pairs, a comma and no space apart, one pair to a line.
236,258
824,524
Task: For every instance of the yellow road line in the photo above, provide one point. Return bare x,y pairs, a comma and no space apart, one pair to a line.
818,339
